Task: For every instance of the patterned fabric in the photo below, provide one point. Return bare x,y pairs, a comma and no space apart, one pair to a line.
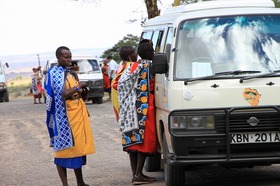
133,94
57,121
35,90
114,87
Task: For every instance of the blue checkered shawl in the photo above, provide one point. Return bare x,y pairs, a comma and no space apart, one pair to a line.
57,121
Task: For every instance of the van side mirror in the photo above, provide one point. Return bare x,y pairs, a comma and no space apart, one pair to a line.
160,65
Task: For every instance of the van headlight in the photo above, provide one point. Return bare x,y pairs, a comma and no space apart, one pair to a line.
192,122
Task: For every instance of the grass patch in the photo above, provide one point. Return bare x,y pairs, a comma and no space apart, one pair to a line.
19,87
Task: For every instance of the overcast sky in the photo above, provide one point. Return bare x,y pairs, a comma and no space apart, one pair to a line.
36,26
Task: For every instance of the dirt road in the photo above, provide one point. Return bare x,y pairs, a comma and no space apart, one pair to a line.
26,158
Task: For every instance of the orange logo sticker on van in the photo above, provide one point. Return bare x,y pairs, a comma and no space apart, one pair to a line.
251,96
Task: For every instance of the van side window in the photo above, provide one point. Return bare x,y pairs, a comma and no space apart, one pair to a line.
168,42
157,38
147,35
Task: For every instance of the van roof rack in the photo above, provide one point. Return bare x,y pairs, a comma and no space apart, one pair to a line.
216,4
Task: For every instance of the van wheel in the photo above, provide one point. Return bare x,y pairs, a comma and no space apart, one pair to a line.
6,97
173,175
97,100
152,163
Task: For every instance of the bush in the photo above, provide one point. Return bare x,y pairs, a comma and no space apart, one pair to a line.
19,90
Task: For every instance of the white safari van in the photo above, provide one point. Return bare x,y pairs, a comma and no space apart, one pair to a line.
217,90
90,72
4,93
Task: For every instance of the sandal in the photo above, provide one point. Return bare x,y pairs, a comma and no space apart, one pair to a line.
140,180
149,178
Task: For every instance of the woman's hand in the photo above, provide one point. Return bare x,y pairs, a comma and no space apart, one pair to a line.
74,68
83,84
75,89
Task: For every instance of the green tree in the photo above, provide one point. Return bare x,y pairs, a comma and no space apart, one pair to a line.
129,40
277,3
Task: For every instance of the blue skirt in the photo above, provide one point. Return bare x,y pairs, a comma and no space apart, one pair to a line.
71,163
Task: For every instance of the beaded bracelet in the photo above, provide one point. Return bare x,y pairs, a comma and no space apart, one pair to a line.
77,88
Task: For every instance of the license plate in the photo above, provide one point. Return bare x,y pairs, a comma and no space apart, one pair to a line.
257,137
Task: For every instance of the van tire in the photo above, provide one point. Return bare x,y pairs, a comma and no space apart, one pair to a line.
97,100
173,175
6,97
152,163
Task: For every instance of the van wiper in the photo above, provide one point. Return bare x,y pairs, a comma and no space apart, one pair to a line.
259,76
93,71
236,72
81,72
87,72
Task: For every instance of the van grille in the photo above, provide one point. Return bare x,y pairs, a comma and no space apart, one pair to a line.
268,121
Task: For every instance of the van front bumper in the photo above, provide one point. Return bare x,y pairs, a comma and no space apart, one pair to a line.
94,92
95,88
219,145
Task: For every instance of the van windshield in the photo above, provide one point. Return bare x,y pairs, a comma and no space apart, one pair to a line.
219,44
87,66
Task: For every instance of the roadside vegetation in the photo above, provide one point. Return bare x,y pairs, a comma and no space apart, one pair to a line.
128,40
19,87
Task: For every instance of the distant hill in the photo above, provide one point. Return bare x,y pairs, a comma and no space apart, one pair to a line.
14,75
23,64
